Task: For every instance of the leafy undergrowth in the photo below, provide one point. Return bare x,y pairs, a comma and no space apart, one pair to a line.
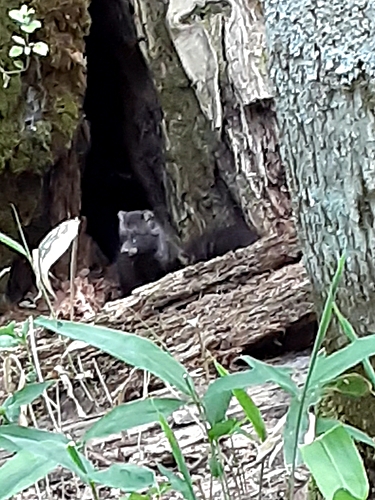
325,446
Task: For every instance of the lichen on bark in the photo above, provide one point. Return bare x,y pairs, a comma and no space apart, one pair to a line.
322,63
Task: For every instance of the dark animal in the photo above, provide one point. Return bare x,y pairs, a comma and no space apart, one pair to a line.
220,241
146,254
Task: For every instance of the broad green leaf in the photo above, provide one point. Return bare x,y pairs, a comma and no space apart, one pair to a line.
47,445
330,367
250,409
219,393
344,495
127,477
134,350
177,483
31,26
132,414
336,464
40,48
21,472
22,397
7,342
352,336
296,426
9,329
12,244
280,375
352,384
224,428
16,51
136,496
8,336
325,424
178,456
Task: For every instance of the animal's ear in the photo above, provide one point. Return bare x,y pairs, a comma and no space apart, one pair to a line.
121,216
148,215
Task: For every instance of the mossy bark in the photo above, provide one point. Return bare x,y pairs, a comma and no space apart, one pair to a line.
323,66
41,107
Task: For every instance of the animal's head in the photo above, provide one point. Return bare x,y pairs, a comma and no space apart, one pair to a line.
140,233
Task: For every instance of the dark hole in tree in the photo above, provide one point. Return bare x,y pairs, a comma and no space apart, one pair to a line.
124,166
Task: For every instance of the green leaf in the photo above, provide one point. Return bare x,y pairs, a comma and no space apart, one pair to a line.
330,367
8,336
127,477
280,375
344,495
12,244
177,483
250,409
16,15
47,445
224,428
335,464
325,424
296,426
219,393
216,467
8,329
21,472
132,414
134,350
352,336
19,64
352,384
18,39
16,51
178,456
22,397
31,26
40,48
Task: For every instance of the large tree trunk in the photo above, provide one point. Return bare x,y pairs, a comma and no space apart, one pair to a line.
323,74
180,114
214,91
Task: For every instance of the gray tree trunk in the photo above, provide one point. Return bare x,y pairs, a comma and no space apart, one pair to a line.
208,64
322,62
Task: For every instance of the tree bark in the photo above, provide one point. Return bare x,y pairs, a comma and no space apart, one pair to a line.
219,121
322,65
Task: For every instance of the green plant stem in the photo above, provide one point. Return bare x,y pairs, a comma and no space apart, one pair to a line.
322,330
93,491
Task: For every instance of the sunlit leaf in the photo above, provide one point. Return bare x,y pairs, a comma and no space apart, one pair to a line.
127,477
40,48
132,414
21,472
12,244
132,349
336,464
16,51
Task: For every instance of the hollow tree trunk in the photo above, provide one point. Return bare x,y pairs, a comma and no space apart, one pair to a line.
40,110
207,61
322,65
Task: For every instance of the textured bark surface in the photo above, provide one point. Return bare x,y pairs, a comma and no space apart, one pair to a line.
220,128
323,67
39,115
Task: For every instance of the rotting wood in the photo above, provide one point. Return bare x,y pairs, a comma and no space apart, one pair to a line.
228,304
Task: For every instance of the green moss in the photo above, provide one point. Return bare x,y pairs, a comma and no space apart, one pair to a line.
58,84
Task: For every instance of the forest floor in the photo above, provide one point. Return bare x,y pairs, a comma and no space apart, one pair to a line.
246,302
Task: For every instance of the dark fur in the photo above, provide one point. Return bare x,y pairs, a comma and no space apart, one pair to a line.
220,241
146,254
